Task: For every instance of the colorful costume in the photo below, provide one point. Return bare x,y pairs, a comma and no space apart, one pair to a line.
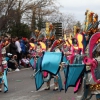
4,75
90,84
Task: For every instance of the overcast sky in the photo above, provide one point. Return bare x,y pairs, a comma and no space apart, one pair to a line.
78,7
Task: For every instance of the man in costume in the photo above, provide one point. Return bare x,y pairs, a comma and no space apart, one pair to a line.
53,76
50,35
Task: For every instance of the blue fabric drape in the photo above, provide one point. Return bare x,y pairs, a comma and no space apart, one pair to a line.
5,80
38,75
73,74
51,61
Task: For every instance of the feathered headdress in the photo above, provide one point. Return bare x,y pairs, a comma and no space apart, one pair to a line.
57,44
43,46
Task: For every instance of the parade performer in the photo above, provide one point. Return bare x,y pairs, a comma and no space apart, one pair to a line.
51,66
74,50
50,35
36,47
4,65
90,84
45,73
93,82
53,76
76,64
95,23
76,57
1,70
56,47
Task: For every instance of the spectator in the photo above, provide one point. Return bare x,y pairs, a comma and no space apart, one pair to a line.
22,43
27,46
19,50
12,63
13,48
25,61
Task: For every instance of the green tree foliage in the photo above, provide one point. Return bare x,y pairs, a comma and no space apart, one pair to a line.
20,30
40,23
78,24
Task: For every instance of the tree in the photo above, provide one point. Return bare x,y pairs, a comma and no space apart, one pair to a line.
22,30
67,20
14,12
41,9
11,12
78,24
5,7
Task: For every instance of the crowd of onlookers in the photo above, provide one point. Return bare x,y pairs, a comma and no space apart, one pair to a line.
18,51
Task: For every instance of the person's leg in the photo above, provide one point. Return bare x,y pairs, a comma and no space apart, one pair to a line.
55,83
48,85
0,87
19,57
16,65
0,84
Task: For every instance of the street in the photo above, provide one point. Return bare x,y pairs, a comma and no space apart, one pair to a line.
22,87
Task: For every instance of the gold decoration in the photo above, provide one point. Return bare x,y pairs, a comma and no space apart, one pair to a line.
47,28
94,87
1,73
75,28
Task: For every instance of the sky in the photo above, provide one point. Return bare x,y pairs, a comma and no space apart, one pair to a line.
78,7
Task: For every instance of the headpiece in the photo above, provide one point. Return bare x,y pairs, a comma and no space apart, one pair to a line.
57,43
3,51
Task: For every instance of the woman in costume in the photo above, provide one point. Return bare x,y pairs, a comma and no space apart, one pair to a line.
90,84
3,78
74,50
1,70
76,57
93,80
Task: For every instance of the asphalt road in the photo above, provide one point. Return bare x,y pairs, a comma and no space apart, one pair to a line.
22,87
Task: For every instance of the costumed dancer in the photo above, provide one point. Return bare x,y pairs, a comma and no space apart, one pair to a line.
49,44
76,57
56,47
79,46
57,81
90,84
32,51
67,45
4,65
51,65
93,79
45,73
95,23
1,70
50,35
